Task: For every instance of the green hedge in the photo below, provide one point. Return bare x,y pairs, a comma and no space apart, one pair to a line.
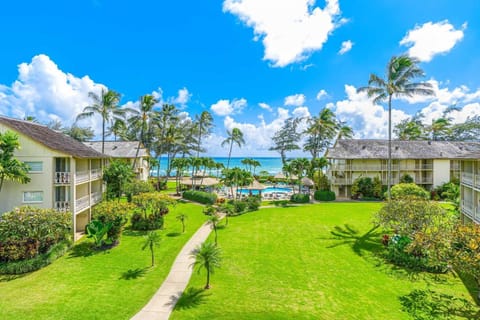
300,198
200,196
38,262
324,195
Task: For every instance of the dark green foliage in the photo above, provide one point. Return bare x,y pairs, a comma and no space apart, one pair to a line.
378,188
117,175
403,190
11,169
200,196
97,230
300,198
113,212
153,221
152,206
28,232
253,202
397,253
136,187
324,195
38,262
406,178
363,187
239,206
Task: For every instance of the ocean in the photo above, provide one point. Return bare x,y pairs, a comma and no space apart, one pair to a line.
271,164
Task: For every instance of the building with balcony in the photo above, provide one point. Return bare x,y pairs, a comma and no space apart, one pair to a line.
470,189
126,150
429,163
65,174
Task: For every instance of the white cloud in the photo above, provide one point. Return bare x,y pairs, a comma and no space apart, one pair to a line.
289,29
301,112
225,107
322,93
44,91
346,46
430,39
265,106
367,119
295,100
183,97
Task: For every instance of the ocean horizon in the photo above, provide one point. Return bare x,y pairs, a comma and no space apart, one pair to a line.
271,164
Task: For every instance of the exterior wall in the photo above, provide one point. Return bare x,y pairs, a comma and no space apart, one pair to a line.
425,172
470,190
441,174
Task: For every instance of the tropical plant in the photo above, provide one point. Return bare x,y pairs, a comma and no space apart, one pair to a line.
207,256
320,131
204,125
182,218
407,190
233,136
106,105
97,230
113,212
79,133
179,164
213,220
287,138
397,83
362,187
11,169
406,178
152,240
117,175
200,196
301,166
152,206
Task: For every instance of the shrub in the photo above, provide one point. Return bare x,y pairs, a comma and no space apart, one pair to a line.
253,202
406,178
300,198
200,196
97,230
362,187
38,262
114,212
403,190
209,210
321,181
239,206
324,195
28,232
136,187
152,206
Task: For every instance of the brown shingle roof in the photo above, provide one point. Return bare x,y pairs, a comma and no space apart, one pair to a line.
378,149
50,138
119,149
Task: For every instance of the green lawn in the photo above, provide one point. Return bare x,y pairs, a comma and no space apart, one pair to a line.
114,284
285,263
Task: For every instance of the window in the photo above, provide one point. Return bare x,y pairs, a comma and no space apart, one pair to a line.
35,166
33,196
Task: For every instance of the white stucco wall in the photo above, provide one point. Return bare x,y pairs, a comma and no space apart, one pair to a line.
441,171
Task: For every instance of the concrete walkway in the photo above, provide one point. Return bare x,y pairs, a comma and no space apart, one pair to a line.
162,303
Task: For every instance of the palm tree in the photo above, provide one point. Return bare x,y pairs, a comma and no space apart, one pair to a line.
344,132
106,105
152,240
234,136
208,256
204,123
163,120
219,166
195,163
255,164
142,118
118,129
320,132
182,218
300,168
397,83
247,162
179,164
213,220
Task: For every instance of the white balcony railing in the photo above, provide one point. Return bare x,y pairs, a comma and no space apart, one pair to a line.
61,177
341,181
96,173
81,176
82,203
95,198
62,206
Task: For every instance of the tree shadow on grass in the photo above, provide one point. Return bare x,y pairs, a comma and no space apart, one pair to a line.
84,249
134,233
11,277
348,235
173,234
133,273
429,304
471,285
191,298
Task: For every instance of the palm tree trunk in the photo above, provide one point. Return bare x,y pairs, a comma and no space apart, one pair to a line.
207,286
138,147
199,138
153,255
103,135
229,154
389,168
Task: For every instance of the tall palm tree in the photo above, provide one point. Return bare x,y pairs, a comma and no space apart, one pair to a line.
163,120
106,105
234,136
255,164
204,123
344,132
118,129
207,256
300,167
397,83
179,164
142,118
320,132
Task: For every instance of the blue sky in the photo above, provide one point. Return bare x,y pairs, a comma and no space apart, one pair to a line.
251,63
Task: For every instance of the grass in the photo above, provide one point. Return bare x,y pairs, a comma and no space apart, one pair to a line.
315,262
85,284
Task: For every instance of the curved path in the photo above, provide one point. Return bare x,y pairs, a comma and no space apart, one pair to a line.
163,301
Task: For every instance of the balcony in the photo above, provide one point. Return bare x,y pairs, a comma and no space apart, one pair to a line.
467,178
341,181
81,176
427,180
82,203
95,198
61,178
96,173
62,206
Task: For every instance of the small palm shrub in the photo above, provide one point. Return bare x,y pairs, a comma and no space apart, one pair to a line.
324,195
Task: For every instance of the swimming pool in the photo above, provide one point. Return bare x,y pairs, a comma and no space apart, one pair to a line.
266,190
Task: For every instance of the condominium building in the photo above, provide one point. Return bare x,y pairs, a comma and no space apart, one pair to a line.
65,174
470,189
126,150
429,163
